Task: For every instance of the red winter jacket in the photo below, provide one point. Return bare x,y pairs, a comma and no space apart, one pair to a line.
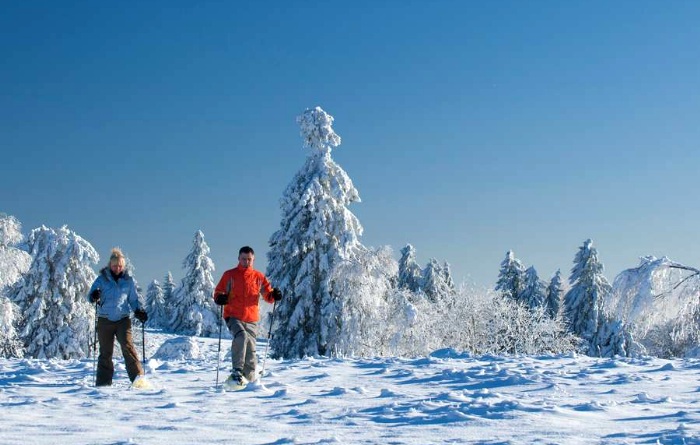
244,287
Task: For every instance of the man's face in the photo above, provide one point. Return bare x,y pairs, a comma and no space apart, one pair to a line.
246,260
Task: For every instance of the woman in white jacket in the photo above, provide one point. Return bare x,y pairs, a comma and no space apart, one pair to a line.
115,294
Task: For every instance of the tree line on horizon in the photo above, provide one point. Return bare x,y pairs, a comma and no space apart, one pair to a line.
341,298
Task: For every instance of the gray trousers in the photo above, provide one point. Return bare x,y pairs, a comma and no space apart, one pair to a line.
243,355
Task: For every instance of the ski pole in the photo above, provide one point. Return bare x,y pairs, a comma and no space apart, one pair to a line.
143,344
218,351
269,336
94,349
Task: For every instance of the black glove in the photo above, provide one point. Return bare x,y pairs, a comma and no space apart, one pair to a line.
276,294
221,299
141,315
95,295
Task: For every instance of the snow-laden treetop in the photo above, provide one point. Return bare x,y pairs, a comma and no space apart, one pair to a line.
317,131
10,230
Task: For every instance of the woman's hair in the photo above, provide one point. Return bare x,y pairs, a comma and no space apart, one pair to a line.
116,255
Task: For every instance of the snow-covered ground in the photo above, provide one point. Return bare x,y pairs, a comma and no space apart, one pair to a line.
445,398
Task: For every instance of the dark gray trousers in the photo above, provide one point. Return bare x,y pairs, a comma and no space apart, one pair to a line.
243,355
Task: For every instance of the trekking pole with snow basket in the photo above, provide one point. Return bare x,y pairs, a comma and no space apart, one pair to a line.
229,287
94,350
269,337
218,351
143,344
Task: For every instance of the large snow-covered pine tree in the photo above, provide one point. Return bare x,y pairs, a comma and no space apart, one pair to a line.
193,310
316,232
511,277
57,318
583,303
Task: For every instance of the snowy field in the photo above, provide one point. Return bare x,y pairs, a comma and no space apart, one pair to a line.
446,398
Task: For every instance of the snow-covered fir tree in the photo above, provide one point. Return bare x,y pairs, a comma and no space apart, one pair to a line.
437,281
57,318
511,276
583,303
410,273
129,267
554,293
317,231
533,293
447,275
155,305
194,311
14,263
168,291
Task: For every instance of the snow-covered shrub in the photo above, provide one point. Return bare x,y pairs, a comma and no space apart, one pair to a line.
513,328
362,305
678,337
179,348
659,300
14,263
475,321
10,345
615,339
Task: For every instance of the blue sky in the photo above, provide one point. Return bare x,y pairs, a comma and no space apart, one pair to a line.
469,128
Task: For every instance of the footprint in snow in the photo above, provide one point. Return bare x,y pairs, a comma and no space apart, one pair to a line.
387,393
313,378
337,391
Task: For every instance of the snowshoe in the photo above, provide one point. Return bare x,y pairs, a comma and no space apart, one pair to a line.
141,382
235,382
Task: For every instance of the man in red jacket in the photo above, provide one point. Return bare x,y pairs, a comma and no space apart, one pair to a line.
239,291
